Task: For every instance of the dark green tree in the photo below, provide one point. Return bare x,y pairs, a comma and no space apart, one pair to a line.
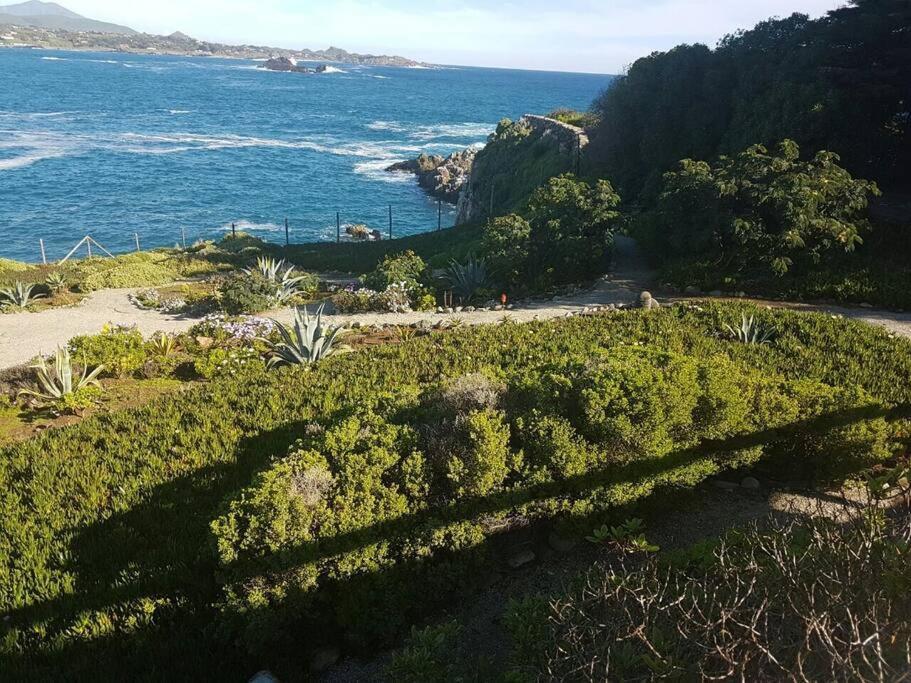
760,210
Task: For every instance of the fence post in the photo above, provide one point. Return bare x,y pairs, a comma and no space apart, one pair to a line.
136,237
439,214
233,231
88,246
43,255
390,221
287,238
490,214
338,227
183,238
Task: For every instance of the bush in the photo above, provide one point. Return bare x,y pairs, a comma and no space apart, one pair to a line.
121,351
506,247
405,267
246,293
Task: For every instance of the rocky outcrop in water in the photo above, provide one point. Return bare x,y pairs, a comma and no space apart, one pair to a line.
286,64
442,177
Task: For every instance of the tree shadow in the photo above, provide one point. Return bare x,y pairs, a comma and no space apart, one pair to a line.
161,550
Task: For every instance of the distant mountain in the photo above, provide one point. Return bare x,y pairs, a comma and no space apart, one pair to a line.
51,16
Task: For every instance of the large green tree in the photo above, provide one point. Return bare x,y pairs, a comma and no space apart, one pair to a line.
759,210
565,234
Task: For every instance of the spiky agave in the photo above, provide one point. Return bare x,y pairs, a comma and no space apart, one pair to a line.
466,279
19,295
56,380
305,341
751,331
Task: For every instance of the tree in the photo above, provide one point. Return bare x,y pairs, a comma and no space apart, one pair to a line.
571,229
760,208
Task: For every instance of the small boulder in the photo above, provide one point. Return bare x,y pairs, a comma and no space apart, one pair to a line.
751,483
521,559
692,290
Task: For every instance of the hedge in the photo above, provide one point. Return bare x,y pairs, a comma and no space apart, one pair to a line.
244,521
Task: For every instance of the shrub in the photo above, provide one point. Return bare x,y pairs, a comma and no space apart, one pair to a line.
247,293
122,351
479,460
427,656
60,386
228,362
405,267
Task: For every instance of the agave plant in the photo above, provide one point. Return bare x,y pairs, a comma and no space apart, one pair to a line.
466,279
20,295
751,331
163,345
305,341
56,282
278,272
56,381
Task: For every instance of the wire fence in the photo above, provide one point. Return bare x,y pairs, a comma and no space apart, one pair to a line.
345,229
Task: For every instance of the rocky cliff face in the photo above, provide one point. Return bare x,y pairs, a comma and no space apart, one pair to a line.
442,177
518,157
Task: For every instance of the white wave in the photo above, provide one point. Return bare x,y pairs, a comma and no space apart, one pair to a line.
376,170
102,61
382,78
393,126
29,159
176,112
334,70
452,130
250,226
55,59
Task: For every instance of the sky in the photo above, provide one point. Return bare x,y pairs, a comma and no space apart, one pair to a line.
596,36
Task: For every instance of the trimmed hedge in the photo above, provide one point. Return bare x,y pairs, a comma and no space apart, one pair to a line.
276,509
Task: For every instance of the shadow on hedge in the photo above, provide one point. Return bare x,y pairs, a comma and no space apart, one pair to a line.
162,549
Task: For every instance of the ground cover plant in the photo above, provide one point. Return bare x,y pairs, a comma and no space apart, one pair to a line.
223,526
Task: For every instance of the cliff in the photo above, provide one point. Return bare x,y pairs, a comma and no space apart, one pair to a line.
518,158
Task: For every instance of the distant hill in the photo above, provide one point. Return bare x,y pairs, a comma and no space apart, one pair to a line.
50,15
60,29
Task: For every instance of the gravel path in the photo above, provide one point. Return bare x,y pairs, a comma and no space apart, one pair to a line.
25,335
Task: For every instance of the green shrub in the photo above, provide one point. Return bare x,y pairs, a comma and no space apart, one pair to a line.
506,247
427,656
246,293
405,267
121,351
481,459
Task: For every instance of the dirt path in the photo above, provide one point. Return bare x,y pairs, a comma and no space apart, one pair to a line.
25,335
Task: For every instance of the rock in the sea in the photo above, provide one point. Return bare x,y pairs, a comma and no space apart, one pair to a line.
442,177
287,64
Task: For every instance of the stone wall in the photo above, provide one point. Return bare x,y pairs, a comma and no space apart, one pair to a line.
570,138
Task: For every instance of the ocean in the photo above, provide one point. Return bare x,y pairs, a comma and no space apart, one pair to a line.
174,148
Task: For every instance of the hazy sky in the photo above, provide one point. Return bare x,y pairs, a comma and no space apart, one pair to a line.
601,36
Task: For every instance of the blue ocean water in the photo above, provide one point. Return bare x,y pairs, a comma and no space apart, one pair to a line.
115,144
